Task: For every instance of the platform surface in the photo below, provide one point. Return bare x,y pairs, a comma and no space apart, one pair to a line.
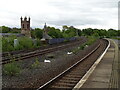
105,74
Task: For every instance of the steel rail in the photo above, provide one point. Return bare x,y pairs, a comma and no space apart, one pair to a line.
67,70
41,52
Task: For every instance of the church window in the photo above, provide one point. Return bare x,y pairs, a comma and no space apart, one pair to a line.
23,25
28,26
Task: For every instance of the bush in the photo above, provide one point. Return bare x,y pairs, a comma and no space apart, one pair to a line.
91,40
36,64
82,47
38,43
7,43
12,68
24,43
76,50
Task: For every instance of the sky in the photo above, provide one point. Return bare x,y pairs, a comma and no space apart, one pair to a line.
81,14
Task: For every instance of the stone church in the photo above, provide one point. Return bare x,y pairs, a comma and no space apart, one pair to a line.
25,29
45,33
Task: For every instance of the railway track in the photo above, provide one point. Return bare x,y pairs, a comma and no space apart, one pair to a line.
71,76
41,48
18,57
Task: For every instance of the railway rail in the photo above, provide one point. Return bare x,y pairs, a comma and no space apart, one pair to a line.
71,76
34,53
41,48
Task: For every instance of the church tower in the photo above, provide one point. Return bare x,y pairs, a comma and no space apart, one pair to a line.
25,26
46,37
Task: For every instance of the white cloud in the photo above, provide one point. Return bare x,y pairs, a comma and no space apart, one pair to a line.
79,13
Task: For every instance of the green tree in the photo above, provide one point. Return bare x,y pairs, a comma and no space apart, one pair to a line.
70,32
55,33
65,27
15,30
79,32
112,33
5,29
87,32
118,32
102,32
38,33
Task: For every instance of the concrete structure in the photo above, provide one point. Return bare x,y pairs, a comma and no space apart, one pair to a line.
25,26
105,73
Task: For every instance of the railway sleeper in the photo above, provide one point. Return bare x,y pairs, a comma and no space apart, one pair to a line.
65,87
64,84
78,74
73,76
66,81
81,67
69,78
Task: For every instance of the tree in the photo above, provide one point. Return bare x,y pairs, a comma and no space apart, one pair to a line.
70,32
55,33
79,32
65,27
88,31
5,29
118,32
102,32
38,33
112,33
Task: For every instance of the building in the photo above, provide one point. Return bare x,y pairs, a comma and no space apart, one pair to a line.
46,37
25,26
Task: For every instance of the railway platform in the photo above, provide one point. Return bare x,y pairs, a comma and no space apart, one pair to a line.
104,72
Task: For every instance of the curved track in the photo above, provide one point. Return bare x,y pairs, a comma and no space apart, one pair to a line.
71,76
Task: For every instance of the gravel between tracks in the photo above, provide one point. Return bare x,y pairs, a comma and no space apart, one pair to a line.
32,78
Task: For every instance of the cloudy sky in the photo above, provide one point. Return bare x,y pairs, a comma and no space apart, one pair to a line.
78,13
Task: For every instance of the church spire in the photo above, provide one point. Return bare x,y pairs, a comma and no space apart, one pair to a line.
25,18
21,18
45,26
